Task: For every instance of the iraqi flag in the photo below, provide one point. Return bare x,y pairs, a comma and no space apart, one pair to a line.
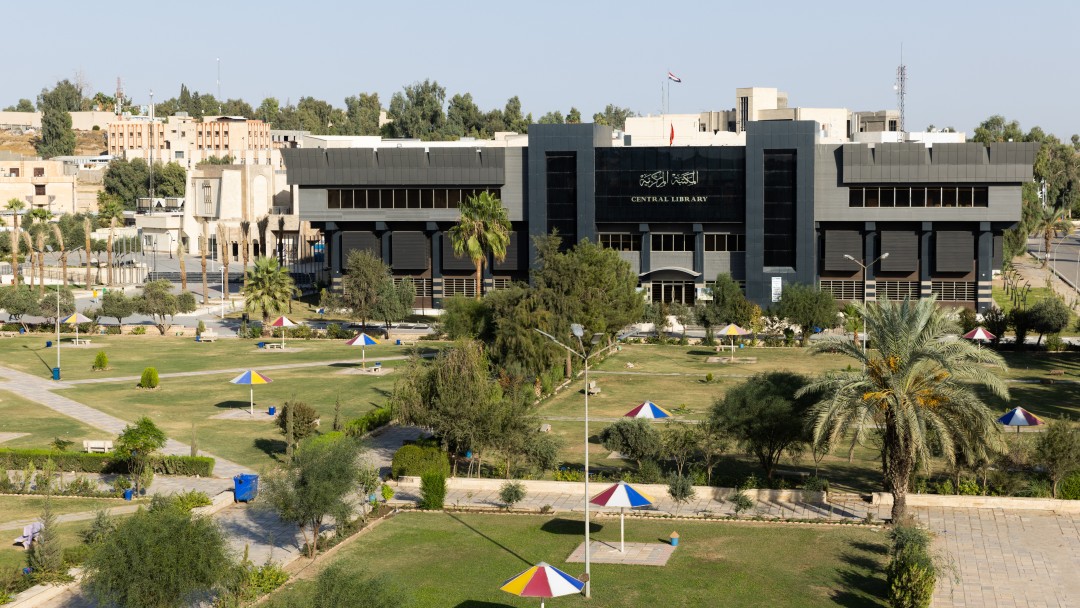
673,77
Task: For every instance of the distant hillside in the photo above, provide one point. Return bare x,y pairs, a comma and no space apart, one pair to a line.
86,143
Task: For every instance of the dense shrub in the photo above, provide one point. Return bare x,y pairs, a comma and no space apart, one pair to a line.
335,331
1069,488
20,458
911,572
511,493
112,330
138,330
305,419
149,378
415,460
432,490
368,422
101,361
300,332
192,499
190,466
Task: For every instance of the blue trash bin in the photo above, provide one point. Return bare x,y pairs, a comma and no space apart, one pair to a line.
56,373
262,345
245,487
128,493
48,344
272,410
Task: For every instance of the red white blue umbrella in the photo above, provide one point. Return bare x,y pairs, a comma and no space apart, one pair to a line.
648,410
251,378
624,496
542,581
1019,417
362,340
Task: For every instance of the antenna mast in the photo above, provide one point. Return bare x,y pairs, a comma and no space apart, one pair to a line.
118,106
901,91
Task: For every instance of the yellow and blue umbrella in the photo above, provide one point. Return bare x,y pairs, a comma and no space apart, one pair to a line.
731,330
74,319
362,340
251,378
542,581
624,496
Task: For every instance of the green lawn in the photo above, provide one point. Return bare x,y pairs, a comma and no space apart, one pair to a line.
14,557
461,560
19,508
19,415
179,402
1004,302
129,355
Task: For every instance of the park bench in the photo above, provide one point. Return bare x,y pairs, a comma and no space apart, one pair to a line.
593,389
97,446
207,336
79,341
7,334
275,345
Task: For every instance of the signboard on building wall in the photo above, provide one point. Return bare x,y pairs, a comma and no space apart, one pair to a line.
777,288
705,184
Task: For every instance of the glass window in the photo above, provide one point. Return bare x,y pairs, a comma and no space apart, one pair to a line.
855,197
903,196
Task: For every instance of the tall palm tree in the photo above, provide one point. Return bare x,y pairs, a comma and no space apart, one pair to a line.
268,288
58,235
15,206
917,390
262,224
245,244
109,248
41,262
30,255
87,230
483,229
223,245
183,264
1047,223
203,244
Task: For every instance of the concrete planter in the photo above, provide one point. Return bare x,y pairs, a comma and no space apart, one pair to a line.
1012,503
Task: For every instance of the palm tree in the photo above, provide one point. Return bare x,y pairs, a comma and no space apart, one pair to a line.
58,235
15,206
1047,223
41,262
223,244
30,255
108,249
245,244
916,389
87,230
203,244
482,229
183,264
268,288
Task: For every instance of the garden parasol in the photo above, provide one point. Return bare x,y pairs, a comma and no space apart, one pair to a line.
1019,417
979,333
251,378
648,410
542,581
621,495
74,319
362,340
731,330
282,322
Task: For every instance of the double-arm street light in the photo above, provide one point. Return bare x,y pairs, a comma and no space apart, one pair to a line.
864,267
584,354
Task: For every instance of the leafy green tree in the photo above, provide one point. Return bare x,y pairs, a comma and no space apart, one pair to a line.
997,129
305,419
169,180
158,301
362,284
634,438
318,116
483,229
24,105
395,301
46,556
680,441
917,392
1049,316
57,137
109,206
117,305
681,490
511,493
362,113
127,180
613,116
17,301
1058,451
161,557
764,416
137,445
508,318
267,288
552,118
417,112
237,107
315,485
465,318
47,303
464,118
268,111
513,120
573,117
808,307
728,305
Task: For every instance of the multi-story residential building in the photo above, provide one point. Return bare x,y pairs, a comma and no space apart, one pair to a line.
41,184
780,198
189,142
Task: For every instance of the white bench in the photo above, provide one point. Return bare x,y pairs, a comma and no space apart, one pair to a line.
275,345
79,341
207,336
97,446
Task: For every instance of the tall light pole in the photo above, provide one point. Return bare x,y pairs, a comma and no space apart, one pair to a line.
584,355
864,267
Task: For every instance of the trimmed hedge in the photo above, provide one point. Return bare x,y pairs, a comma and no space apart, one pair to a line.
368,422
18,458
415,460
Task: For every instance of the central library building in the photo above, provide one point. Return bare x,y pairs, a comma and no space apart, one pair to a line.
783,203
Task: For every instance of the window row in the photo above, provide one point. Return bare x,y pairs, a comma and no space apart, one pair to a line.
422,285
459,287
898,290
403,198
674,242
919,196
955,291
843,290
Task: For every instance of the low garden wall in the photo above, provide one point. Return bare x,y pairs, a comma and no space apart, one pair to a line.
1012,503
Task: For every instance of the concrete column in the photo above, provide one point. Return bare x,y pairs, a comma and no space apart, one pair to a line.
646,250
984,268
869,255
924,259
436,269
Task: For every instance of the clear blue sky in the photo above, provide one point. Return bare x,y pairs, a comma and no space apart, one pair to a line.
966,60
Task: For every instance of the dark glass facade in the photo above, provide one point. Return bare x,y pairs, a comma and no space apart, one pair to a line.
562,194
779,210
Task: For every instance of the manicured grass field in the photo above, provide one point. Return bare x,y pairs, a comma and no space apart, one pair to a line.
179,402
19,508
460,560
19,415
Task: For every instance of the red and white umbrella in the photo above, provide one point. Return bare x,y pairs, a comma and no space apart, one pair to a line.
282,322
979,333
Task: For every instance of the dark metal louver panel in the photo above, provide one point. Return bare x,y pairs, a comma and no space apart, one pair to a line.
409,250
839,243
903,249
451,261
955,251
366,241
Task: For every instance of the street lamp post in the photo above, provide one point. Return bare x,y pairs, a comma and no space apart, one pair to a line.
584,355
864,267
